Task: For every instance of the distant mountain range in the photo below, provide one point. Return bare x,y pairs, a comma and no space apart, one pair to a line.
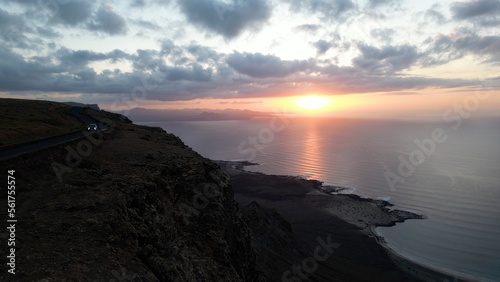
147,115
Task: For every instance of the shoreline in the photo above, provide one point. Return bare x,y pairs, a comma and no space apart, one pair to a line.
393,215
422,271
365,213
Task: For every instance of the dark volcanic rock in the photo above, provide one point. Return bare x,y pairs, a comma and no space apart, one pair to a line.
272,239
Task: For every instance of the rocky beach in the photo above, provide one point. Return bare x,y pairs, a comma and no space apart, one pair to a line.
317,211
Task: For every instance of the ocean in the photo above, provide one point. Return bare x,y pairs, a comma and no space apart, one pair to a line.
448,171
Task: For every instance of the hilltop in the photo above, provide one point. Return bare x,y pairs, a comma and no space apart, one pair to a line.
27,120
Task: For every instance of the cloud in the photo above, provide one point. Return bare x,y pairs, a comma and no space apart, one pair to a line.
147,24
322,46
266,76
485,46
228,20
203,53
13,30
383,34
195,72
471,9
388,59
311,28
108,22
241,102
47,32
83,57
7,19
378,3
138,3
36,53
64,71
73,12
344,80
435,16
146,3
16,73
146,60
446,48
261,66
328,80
86,75
329,9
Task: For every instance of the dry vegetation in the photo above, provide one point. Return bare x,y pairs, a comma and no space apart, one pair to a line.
24,121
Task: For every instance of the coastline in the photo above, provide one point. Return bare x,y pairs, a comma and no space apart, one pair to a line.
363,214
423,272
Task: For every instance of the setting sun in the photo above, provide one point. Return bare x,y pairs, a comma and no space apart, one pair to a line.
313,102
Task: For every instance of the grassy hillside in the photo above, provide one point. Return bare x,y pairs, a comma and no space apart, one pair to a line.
27,120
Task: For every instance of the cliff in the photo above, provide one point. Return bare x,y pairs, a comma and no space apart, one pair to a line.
81,105
133,204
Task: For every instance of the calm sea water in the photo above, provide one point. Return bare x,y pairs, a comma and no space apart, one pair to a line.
456,183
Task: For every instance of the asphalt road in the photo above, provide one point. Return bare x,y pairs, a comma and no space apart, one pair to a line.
53,141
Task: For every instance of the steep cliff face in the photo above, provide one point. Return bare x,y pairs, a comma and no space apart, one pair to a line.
273,241
134,204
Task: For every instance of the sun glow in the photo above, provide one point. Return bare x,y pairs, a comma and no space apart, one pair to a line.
313,102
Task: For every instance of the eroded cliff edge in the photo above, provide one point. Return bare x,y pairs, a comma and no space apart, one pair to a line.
134,204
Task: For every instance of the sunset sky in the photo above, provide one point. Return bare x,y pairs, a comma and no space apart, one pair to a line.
368,58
